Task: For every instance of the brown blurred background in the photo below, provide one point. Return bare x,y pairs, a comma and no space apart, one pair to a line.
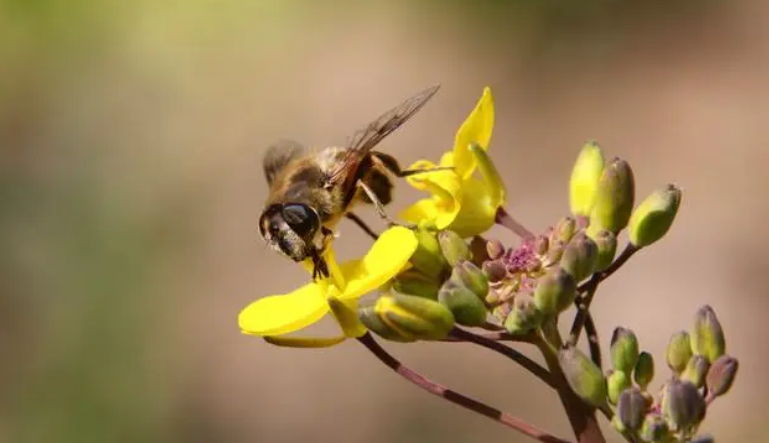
131,136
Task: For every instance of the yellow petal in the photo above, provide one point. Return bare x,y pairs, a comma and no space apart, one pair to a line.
477,128
346,314
283,314
443,206
490,176
305,342
479,209
386,258
417,179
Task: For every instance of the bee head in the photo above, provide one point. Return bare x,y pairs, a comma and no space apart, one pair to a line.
290,228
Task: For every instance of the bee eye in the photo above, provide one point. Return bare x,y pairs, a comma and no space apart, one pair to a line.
301,218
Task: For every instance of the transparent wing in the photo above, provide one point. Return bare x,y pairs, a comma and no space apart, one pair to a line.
365,139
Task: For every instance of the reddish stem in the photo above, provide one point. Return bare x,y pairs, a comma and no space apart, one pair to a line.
455,397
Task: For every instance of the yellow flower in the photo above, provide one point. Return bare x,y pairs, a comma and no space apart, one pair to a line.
461,201
274,316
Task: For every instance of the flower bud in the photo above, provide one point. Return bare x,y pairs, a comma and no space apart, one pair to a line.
495,249
682,405
524,315
555,292
616,423
644,370
579,257
696,370
454,248
707,336
721,375
467,307
606,242
654,429
614,199
413,282
554,252
679,351
631,408
541,245
416,317
428,258
471,277
494,270
617,382
585,176
624,350
653,217
375,324
564,229
584,377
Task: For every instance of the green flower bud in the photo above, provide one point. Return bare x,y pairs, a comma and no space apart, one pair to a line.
614,199
428,258
654,429
494,270
653,217
495,249
471,277
413,282
413,316
617,382
707,336
682,405
679,351
467,307
554,252
644,370
584,377
631,408
579,257
624,350
454,248
696,370
555,292
585,176
606,242
375,324
524,315
721,375
564,229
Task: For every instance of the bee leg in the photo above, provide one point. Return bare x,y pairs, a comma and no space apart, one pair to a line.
361,224
380,208
320,268
392,165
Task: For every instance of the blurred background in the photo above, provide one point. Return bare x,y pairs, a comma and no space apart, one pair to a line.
131,137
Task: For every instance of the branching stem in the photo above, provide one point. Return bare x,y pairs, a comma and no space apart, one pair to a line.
455,397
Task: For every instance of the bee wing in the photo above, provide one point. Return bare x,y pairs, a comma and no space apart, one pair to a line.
365,139
278,155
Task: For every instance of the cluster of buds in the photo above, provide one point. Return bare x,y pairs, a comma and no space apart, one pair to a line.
700,369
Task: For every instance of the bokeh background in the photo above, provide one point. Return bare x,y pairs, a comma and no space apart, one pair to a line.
131,136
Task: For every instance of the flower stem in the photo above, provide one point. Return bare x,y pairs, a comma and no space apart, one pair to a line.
589,288
503,218
527,363
455,397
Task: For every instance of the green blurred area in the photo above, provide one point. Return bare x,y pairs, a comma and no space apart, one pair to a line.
110,181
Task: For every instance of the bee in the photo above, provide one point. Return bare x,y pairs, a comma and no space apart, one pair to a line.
311,191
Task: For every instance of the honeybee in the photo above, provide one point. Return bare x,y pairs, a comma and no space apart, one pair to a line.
310,191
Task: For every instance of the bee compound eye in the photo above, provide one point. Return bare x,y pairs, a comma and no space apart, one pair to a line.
301,218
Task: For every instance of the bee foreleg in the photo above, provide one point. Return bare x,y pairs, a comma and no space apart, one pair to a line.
392,165
361,224
380,208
